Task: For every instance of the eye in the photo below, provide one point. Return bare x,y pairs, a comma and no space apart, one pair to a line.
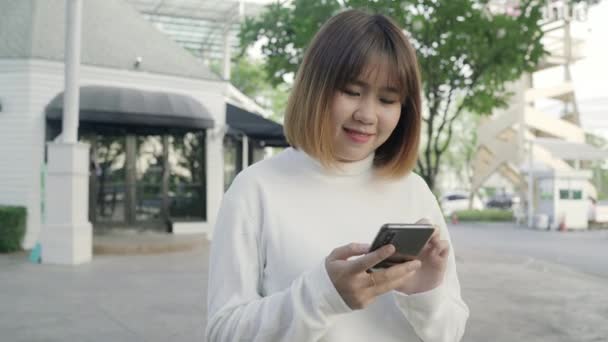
350,92
387,101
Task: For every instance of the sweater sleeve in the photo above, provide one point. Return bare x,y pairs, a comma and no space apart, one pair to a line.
438,315
237,308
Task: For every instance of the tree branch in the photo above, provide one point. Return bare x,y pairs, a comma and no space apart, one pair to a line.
420,167
447,141
443,118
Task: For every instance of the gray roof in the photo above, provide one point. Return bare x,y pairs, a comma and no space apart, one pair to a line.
200,25
114,34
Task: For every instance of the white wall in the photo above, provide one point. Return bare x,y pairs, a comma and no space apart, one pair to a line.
21,150
545,196
575,211
27,86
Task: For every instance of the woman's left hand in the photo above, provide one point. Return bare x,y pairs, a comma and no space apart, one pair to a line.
433,258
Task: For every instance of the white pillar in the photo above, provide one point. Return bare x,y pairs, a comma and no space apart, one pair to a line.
66,237
227,54
531,184
245,153
72,71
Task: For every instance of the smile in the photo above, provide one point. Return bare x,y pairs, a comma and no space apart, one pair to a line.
358,136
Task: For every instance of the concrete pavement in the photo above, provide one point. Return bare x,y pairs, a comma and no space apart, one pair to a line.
162,298
585,250
518,298
114,298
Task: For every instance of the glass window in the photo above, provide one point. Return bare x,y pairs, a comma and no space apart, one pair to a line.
108,165
577,194
149,178
564,194
232,159
186,178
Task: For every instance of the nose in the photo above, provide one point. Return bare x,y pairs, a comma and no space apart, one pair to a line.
366,111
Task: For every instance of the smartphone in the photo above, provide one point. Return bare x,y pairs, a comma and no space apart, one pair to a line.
408,239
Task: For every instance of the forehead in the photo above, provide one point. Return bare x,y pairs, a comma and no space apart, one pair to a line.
379,71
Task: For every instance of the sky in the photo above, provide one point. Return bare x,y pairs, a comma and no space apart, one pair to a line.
591,74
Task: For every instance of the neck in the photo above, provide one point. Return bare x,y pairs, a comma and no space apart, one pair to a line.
340,168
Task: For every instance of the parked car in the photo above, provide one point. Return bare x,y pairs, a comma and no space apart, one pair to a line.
456,201
502,201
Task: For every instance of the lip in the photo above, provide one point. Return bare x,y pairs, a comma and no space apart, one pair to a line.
358,136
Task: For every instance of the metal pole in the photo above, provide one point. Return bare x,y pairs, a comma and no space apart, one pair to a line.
72,71
530,184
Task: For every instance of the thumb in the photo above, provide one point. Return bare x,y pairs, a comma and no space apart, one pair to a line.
347,251
423,221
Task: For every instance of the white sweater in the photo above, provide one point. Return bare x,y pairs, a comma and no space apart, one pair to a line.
280,219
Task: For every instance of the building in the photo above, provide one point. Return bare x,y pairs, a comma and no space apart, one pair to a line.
154,116
542,157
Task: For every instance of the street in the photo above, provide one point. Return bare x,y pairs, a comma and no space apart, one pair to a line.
510,279
585,251
527,285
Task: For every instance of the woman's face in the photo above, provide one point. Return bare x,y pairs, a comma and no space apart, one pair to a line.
364,114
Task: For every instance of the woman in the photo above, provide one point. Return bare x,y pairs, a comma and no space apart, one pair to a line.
284,264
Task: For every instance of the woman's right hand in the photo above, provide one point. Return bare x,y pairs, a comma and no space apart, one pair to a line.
357,287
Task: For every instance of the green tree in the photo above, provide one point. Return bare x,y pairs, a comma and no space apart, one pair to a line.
467,53
458,159
249,76
287,28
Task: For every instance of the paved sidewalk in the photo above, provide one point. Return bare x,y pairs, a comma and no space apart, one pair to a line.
162,298
114,298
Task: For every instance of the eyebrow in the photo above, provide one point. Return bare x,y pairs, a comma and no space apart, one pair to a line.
363,84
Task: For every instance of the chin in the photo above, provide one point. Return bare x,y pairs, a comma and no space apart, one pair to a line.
353,156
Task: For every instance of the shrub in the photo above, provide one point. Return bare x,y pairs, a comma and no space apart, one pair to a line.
496,215
12,228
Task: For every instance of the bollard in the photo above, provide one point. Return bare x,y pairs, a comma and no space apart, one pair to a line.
36,253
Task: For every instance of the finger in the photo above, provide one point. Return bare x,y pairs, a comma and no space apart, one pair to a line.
396,271
436,233
440,251
399,270
433,240
347,251
423,221
443,249
394,276
426,249
371,259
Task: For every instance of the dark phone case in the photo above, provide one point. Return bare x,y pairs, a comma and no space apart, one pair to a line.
408,239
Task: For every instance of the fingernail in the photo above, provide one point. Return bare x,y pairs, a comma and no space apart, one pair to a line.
388,251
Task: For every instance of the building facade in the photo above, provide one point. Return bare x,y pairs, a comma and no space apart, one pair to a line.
153,115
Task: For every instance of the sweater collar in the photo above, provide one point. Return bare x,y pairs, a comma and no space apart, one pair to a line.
343,169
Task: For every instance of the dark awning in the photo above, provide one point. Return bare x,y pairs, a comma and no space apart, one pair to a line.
254,126
134,107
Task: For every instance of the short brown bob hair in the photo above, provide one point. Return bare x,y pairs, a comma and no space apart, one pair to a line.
337,55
